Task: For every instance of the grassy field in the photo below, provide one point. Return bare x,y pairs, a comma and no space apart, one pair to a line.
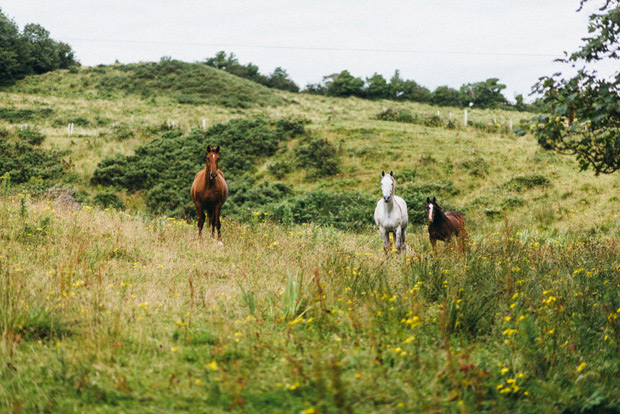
105,310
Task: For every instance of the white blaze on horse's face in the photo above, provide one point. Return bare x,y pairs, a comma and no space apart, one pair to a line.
387,188
431,212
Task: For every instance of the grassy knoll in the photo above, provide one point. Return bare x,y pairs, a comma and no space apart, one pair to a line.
125,310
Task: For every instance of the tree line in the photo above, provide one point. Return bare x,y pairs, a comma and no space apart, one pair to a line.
30,51
485,94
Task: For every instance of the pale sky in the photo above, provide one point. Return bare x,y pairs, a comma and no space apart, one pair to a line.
434,42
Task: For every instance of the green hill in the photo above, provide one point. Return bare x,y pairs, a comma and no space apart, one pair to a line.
187,83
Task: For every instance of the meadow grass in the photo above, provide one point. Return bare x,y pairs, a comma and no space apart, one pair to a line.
103,310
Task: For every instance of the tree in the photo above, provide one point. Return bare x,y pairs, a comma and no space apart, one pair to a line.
345,84
446,96
377,87
396,85
583,116
31,51
46,54
412,91
13,53
486,94
279,79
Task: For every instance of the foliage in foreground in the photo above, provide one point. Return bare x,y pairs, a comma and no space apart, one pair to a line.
104,312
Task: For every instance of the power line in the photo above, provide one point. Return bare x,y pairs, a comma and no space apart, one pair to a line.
331,49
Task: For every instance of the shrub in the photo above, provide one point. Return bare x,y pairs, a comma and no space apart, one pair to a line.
416,204
21,161
527,182
476,166
24,115
394,115
279,169
346,210
248,196
320,156
122,132
32,136
108,199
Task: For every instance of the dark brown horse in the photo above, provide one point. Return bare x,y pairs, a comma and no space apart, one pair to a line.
209,192
441,226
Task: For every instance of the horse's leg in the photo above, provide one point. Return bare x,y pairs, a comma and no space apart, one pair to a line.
402,238
433,242
211,221
386,239
218,223
398,233
201,217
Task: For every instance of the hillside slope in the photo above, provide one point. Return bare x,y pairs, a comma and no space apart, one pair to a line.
187,83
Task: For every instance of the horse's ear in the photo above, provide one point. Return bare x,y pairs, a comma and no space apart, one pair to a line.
217,149
208,148
428,200
434,200
382,173
392,173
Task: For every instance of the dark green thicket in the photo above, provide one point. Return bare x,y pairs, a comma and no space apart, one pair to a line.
346,210
107,199
21,160
165,167
318,156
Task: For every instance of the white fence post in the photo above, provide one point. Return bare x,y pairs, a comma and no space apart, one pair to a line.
204,123
465,118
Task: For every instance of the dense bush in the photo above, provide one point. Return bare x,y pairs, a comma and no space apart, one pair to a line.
390,114
165,167
30,135
319,156
108,199
347,210
20,160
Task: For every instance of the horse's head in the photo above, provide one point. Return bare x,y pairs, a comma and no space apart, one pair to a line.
387,186
431,208
213,156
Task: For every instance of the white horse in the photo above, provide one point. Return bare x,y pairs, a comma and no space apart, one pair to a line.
391,214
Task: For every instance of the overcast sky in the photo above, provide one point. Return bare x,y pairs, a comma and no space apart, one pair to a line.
434,42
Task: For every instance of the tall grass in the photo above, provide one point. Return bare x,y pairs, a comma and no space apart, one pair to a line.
114,310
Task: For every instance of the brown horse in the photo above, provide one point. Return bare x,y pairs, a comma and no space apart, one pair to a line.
442,225
209,192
